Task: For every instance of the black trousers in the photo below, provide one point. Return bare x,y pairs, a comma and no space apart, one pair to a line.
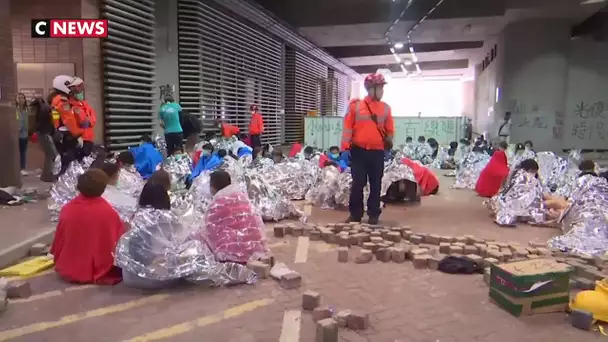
256,141
366,165
175,142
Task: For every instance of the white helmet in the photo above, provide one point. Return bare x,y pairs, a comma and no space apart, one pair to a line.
76,81
62,82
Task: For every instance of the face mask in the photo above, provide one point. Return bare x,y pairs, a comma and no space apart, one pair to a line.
79,96
335,155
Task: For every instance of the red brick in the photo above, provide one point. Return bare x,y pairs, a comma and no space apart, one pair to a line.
311,300
326,331
358,321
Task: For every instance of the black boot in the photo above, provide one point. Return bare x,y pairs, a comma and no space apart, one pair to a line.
352,219
373,220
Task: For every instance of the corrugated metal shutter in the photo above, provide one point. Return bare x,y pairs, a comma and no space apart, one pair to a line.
305,80
342,95
225,65
128,71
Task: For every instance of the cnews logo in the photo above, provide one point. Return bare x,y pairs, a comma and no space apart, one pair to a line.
69,28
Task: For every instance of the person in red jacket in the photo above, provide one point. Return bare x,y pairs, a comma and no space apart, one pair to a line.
256,126
368,128
426,179
227,130
87,233
494,174
295,149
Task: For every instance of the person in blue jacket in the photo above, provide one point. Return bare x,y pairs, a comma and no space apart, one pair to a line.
334,156
147,157
208,161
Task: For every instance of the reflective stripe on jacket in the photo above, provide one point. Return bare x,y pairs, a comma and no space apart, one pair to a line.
360,129
85,118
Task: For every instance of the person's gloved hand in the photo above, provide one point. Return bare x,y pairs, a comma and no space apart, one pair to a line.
80,142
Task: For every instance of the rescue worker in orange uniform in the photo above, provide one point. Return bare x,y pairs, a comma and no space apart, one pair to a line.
256,126
84,117
227,130
368,131
59,101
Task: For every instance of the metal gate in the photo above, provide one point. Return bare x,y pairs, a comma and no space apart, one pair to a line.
226,65
305,90
128,71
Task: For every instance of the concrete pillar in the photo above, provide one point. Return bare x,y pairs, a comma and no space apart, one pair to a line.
167,70
9,171
92,69
534,67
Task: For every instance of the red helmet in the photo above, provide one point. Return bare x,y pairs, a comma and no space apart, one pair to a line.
254,108
374,80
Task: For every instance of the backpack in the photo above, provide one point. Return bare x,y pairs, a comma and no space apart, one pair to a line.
190,123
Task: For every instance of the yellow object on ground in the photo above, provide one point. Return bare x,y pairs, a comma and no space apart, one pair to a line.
28,268
595,302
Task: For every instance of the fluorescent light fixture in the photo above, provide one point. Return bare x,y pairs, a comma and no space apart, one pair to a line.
407,62
411,49
397,58
398,45
392,50
414,58
589,2
418,68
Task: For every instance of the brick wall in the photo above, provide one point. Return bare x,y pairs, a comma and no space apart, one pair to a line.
9,172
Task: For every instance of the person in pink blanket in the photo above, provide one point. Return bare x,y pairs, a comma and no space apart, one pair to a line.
231,228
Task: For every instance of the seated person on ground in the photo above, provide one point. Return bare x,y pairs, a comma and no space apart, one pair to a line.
112,194
528,145
258,152
409,140
434,145
146,156
234,238
208,161
161,177
267,151
450,162
308,152
295,149
277,156
125,159
494,175
87,233
221,153
421,139
333,158
426,179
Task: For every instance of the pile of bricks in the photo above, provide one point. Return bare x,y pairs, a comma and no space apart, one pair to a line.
398,244
266,267
328,321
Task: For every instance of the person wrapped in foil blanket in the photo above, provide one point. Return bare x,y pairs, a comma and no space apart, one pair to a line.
158,250
469,169
584,219
521,200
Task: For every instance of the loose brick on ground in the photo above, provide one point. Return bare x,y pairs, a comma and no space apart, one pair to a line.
507,255
584,284
311,300
536,244
383,254
364,257
342,254
3,301
456,249
279,231
470,239
581,319
342,317
461,239
321,312
532,250
397,254
494,253
368,245
418,251
260,268
475,259
432,239
315,235
421,261
358,321
287,230
39,249
444,247
291,280
326,331
433,262
543,251
376,239
343,240
296,231
18,289
487,275
470,249
416,239
394,236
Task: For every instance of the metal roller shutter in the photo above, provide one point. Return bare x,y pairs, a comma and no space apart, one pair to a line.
342,95
305,90
225,65
128,71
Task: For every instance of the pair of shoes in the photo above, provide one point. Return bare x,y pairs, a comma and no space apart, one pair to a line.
373,220
352,219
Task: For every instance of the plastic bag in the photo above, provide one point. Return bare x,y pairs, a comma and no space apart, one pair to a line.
231,227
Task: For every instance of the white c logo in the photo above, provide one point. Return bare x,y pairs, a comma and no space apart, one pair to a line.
37,28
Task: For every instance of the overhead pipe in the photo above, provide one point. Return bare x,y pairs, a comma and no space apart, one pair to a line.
269,22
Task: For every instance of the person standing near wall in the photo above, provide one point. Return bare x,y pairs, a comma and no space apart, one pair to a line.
85,116
169,121
22,113
67,134
504,130
44,129
256,126
368,131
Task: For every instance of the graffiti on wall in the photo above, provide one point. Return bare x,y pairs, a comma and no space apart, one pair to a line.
166,89
590,121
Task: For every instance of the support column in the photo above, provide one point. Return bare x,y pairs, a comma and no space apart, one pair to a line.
9,155
91,67
535,66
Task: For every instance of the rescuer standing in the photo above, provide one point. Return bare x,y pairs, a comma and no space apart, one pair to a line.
368,132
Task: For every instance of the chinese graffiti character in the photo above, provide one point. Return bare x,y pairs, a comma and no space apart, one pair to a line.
431,128
525,122
540,122
582,110
596,110
338,127
580,130
600,130
448,126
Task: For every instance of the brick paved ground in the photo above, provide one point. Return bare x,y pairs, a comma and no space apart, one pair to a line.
405,304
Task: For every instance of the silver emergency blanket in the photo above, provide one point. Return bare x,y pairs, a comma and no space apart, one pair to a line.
268,200
292,177
158,247
262,163
469,169
520,201
517,158
179,167
557,174
57,165
64,189
160,143
322,193
585,222
130,181
124,204
342,196
409,150
423,152
201,193
441,158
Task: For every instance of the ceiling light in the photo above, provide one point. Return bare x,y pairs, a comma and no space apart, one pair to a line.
411,49
407,62
589,2
392,50
414,58
398,45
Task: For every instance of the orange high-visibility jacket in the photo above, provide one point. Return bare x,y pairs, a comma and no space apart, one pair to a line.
256,125
360,130
83,113
229,130
64,116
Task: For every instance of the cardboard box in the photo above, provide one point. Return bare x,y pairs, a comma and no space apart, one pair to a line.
530,286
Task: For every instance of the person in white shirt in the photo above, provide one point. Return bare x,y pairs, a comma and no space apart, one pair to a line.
504,130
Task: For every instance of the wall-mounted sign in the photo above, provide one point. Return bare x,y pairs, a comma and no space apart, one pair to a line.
32,93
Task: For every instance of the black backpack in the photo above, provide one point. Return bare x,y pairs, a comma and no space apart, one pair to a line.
190,123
